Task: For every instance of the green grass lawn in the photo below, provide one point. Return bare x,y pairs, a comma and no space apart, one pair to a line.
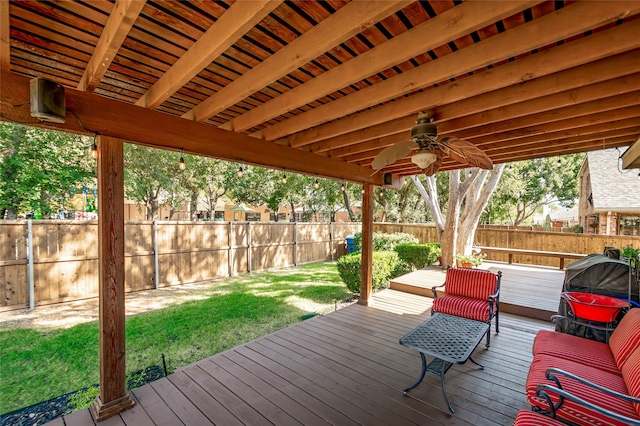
36,365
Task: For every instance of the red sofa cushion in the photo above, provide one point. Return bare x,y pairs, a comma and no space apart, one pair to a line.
626,337
460,306
631,376
529,418
573,348
473,283
570,410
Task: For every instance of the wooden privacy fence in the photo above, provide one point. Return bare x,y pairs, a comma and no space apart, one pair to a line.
524,240
64,263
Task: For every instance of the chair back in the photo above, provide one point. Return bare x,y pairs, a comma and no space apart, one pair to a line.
473,283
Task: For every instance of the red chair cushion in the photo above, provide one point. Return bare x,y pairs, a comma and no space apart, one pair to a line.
571,411
530,418
584,351
466,307
626,337
473,283
631,376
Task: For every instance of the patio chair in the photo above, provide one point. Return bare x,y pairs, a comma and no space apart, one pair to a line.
470,293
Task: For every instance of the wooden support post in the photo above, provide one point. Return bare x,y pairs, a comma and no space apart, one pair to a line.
331,239
295,243
230,257
249,250
32,289
367,246
113,397
155,255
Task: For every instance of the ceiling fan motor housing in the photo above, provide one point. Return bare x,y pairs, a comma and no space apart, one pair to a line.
424,131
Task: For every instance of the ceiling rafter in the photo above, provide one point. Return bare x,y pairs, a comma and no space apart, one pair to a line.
590,81
5,36
597,46
450,25
119,23
232,25
342,25
524,38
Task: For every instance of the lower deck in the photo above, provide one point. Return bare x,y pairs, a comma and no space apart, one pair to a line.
343,368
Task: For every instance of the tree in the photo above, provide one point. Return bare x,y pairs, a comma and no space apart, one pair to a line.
149,173
41,169
469,193
528,185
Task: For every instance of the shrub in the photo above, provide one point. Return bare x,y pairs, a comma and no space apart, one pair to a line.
386,242
385,266
418,256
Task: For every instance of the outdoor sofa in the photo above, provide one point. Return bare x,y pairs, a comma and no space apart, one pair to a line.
584,382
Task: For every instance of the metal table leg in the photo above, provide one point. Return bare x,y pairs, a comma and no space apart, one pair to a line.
443,370
479,365
424,370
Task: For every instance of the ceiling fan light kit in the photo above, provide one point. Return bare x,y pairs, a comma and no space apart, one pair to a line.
424,159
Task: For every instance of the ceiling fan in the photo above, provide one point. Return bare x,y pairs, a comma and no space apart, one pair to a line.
431,151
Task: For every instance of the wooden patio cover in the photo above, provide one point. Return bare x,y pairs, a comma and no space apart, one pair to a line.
318,88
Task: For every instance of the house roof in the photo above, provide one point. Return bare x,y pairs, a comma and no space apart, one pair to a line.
321,87
613,189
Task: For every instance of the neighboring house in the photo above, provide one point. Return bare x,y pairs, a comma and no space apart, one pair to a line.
609,196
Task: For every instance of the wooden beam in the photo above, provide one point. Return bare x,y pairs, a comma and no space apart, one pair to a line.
232,25
342,25
450,25
119,23
579,84
5,35
113,397
529,108
603,44
519,120
366,282
148,127
537,33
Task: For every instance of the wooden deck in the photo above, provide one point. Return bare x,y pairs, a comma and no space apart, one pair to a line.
531,291
344,368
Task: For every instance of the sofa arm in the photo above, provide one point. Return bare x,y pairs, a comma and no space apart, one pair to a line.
543,391
552,374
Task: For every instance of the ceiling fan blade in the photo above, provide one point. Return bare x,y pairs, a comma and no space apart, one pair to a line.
466,153
392,153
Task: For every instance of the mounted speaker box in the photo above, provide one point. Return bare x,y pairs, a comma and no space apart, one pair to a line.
47,100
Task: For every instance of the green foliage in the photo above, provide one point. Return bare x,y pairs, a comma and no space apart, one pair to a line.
386,242
418,256
40,170
526,186
632,254
577,229
40,364
474,259
385,266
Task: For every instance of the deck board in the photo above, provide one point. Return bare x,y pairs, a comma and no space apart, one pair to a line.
532,291
343,368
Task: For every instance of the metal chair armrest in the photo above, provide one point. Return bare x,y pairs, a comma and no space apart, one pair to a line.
433,290
552,374
543,391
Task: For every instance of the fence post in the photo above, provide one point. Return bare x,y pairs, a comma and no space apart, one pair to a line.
230,249
295,243
331,239
249,251
32,301
155,254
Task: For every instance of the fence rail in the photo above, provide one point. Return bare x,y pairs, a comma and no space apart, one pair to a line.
64,264
524,240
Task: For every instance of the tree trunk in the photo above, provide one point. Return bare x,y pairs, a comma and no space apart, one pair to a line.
347,204
467,200
193,207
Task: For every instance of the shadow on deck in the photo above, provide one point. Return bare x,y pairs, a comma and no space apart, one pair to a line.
529,291
344,368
